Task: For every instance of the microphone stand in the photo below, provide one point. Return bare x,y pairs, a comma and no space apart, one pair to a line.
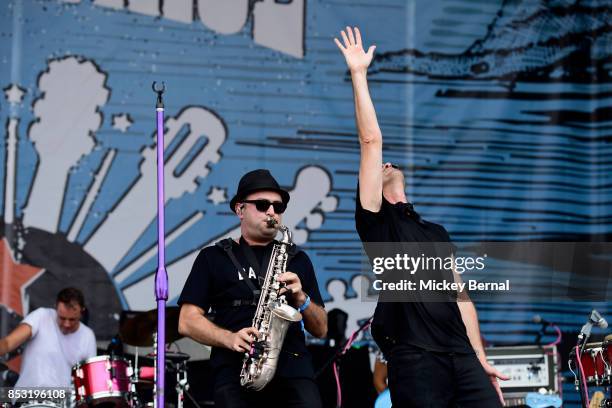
342,349
541,332
583,337
161,276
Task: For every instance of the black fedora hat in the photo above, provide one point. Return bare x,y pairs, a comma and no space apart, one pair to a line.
257,180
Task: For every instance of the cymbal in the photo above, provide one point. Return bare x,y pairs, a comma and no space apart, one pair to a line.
137,328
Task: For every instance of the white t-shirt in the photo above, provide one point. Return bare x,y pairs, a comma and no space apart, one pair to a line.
49,355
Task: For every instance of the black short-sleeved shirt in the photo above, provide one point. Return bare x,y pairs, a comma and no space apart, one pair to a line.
214,282
435,326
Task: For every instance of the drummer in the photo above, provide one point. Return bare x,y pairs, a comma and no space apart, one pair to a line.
57,341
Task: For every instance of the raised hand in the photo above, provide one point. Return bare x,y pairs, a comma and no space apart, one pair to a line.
357,59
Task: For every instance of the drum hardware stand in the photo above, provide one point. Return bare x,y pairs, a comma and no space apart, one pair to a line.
155,365
133,395
136,373
133,399
182,385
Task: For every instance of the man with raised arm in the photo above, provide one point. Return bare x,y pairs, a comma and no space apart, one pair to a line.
434,350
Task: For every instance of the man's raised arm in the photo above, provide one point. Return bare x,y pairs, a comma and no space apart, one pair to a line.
370,136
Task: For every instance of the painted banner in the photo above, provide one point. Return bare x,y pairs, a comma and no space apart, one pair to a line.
499,113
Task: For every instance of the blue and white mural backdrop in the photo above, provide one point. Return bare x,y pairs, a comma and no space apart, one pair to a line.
499,111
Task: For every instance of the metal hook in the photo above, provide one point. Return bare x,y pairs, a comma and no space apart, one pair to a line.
159,92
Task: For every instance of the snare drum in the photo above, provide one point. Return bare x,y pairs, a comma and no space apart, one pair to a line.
596,363
102,380
607,346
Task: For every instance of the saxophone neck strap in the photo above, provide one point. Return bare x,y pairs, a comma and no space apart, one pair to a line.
227,245
259,268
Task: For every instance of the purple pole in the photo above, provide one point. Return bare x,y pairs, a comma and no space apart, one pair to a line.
161,277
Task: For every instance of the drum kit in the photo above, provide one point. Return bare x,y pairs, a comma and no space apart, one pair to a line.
112,381
594,364
596,360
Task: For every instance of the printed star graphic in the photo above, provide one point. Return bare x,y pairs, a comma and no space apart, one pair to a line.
217,195
14,93
14,277
122,122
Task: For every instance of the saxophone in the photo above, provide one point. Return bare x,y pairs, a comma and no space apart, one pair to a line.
272,319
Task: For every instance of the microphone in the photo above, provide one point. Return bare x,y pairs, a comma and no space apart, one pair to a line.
598,320
544,324
539,319
595,319
115,347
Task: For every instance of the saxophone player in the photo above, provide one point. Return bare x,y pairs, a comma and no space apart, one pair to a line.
225,282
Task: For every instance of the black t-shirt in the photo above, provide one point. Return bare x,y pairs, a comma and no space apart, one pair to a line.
435,326
214,283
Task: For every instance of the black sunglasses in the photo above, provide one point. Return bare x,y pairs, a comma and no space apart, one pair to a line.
395,166
262,205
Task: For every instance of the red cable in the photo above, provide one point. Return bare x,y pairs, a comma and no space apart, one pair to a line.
557,356
558,340
586,391
338,388
343,352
